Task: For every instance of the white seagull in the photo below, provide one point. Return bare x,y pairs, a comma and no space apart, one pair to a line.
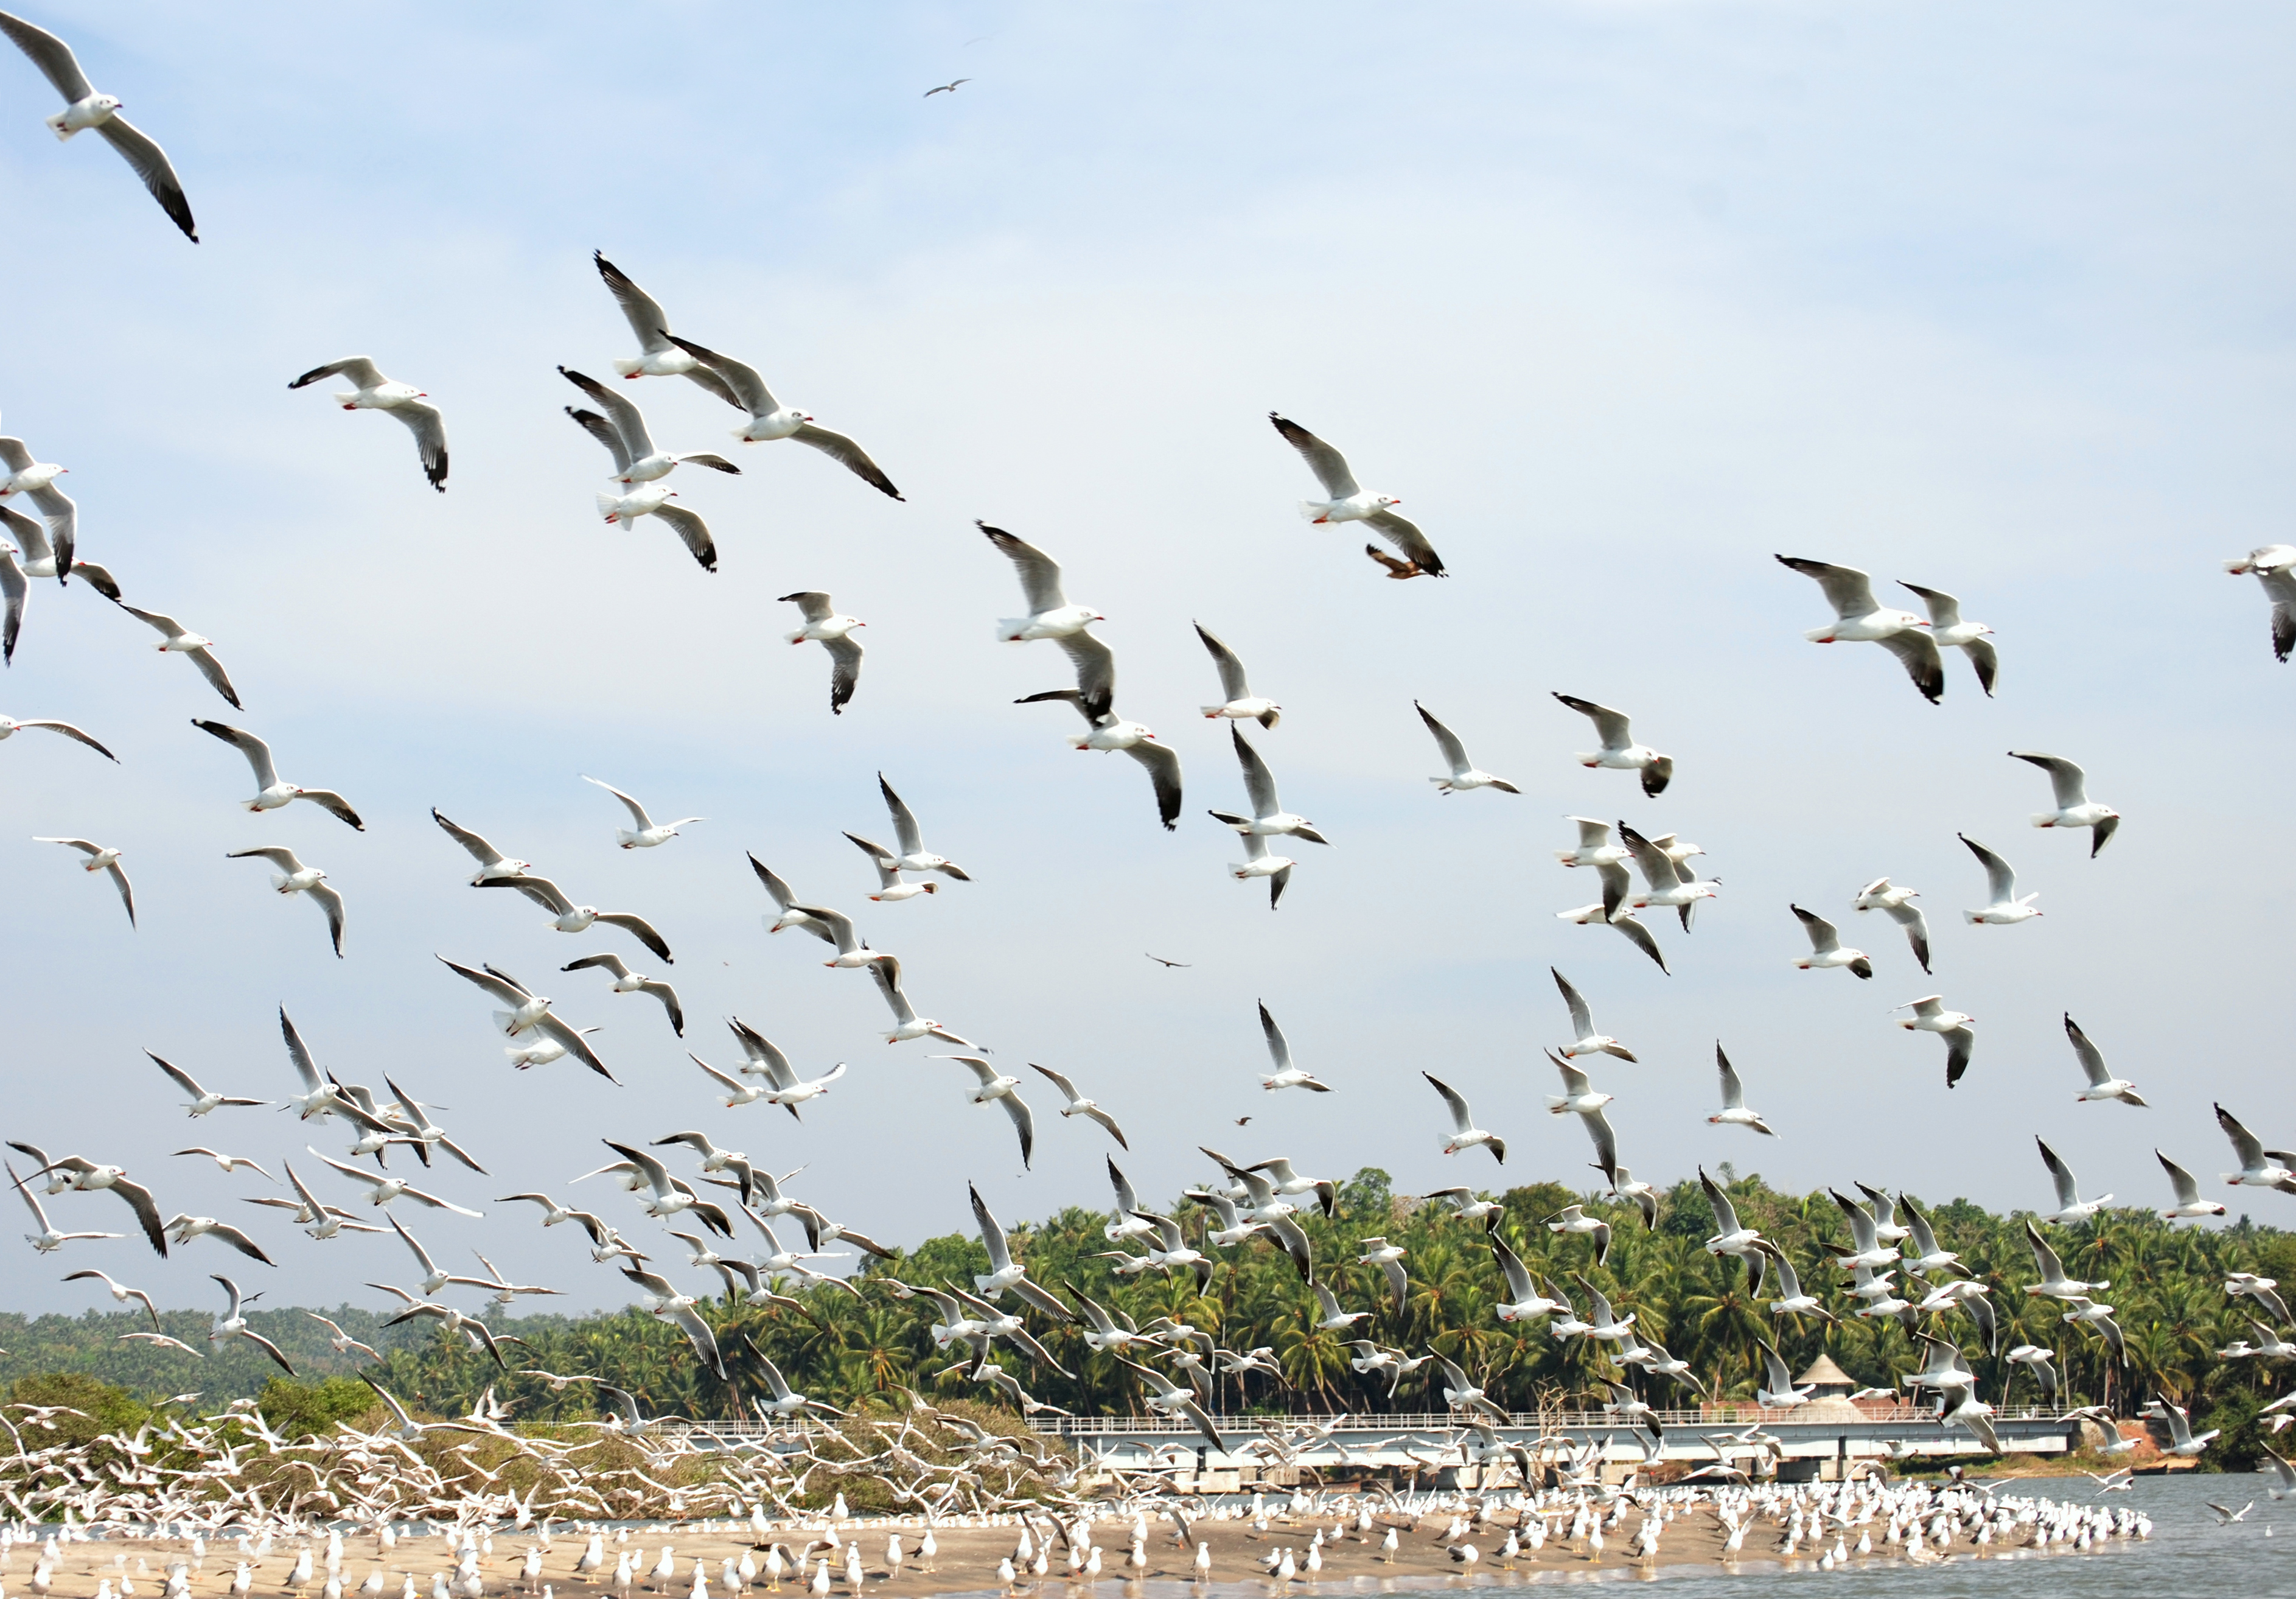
568,917
294,877
1237,701
1078,1105
2068,786
1668,883
1620,752
2275,566
48,1239
636,460
36,481
232,1323
1345,501
492,862
101,858
1826,949
913,856
1285,1075
39,561
770,419
1050,614
645,832
1258,862
202,1100
2002,907
626,981
372,391
1930,1016
1464,773
1110,731
996,1085
10,727
1465,1133
651,325
383,1188
1947,631
1268,818
1860,619
176,638
650,497
2189,1203
1734,1112
271,793
2259,1168
2101,1084
1584,1039
528,1010
886,972
83,109
833,630
1896,903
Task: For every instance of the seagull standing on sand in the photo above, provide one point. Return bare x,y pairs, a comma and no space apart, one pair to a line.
1930,1016
175,638
2275,566
83,109
2002,907
271,793
2069,785
1896,903
1620,752
1345,501
1860,619
1464,773
826,626
294,877
101,857
1237,701
1734,1112
1826,949
770,419
372,391
648,831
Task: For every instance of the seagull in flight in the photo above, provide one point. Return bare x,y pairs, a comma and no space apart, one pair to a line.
647,320
372,391
2274,567
83,109
1860,619
648,831
947,89
271,793
770,419
2068,786
101,858
1895,902
1930,1016
175,637
827,626
294,877
1346,501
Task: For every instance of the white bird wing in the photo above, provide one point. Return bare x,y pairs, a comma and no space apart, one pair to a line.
847,454
1039,573
1725,1214
1582,1020
980,1068
1615,728
1943,609
1163,764
484,853
1067,1088
1847,590
429,431
844,671
886,972
1258,781
645,316
494,982
1023,1122
1330,466
1825,938
637,812
812,605
2067,781
219,680
905,821
2246,1146
1233,685
2188,1192
1606,1141
1454,753
330,901
51,56
692,532
166,626
1280,1051
2092,1059
1574,1081
258,752
141,151
1462,1120
2000,881
838,925
1095,664
992,1236
626,419
1404,534
603,431
363,373
2068,1185
1734,1092
278,855
1917,652
746,388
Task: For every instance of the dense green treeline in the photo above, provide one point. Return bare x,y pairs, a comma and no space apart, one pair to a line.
2167,1289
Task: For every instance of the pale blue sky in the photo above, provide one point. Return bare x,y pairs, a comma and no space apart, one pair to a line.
1618,299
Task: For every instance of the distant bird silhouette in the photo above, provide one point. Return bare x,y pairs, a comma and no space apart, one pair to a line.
1161,960
947,89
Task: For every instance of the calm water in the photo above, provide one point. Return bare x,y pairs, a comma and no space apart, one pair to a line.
2188,1557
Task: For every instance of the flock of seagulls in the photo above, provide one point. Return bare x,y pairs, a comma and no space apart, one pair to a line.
713,1187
